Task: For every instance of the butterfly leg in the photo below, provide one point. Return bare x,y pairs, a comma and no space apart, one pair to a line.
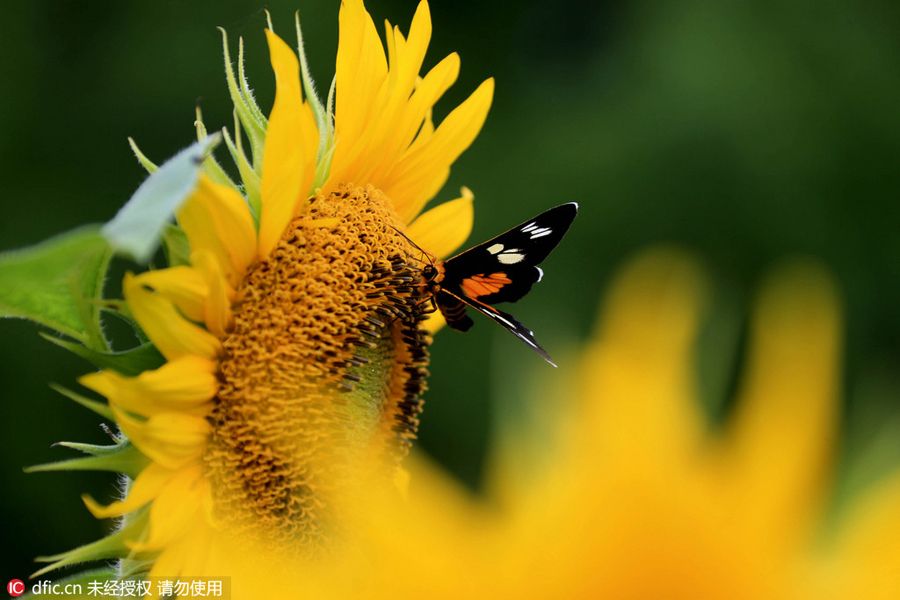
430,309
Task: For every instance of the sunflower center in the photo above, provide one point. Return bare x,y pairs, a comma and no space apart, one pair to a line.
323,370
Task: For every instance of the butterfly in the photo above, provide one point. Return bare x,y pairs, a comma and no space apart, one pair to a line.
502,269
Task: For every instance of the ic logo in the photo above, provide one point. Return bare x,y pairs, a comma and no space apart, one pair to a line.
16,587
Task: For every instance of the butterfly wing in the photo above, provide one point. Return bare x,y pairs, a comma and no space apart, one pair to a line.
506,321
504,268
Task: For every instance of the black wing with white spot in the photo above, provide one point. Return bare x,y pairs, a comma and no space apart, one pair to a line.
504,268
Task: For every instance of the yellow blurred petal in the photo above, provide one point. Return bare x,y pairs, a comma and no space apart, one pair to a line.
173,335
446,227
174,513
866,560
637,380
416,173
183,286
144,489
289,157
784,428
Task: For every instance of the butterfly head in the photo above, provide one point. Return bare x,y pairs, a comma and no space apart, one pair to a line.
429,272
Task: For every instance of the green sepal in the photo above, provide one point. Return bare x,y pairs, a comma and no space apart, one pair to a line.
148,164
252,181
258,114
326,151
57,283
98,407
245,105
130,568
127,362
92,449
84,579
121,458
211,166
111,546
323,120
176,246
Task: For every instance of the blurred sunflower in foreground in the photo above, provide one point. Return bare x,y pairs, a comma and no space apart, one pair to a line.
621,489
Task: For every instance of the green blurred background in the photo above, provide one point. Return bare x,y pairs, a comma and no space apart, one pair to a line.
744,131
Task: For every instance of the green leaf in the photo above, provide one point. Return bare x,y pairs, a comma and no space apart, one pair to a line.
136,229
128,362
58,283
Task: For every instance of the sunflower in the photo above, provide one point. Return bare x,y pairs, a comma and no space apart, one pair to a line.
290,318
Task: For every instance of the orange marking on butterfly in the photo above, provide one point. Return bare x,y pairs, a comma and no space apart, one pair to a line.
484,285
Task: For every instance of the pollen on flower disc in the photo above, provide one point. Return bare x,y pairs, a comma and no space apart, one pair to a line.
323,369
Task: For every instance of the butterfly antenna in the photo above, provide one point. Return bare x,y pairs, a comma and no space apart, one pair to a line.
431,257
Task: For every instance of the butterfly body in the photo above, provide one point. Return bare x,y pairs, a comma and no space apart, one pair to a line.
502,269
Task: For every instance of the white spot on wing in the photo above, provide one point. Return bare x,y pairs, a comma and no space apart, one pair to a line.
495,248
510,258
529,227
540,273
541,232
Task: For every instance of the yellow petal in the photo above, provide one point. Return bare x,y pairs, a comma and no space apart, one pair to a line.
416,174
144,489
445,227
424,134
289,157
427,93
435,322
171,333
171,439
216,219
359,72
383,142
787,410
185,384
183,286
217,313
232,220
